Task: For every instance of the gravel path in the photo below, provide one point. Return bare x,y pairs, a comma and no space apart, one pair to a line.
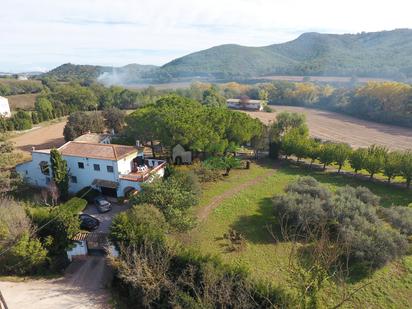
82,287
205,211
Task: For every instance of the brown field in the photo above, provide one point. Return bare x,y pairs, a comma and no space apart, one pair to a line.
325,79
44,137
22,101
340,128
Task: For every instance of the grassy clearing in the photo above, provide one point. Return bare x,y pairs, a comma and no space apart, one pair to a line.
250,212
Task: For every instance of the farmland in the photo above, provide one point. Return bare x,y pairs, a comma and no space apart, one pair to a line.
45,136
22,101
340,128
250,212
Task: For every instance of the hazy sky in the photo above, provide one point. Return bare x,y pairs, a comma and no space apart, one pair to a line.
41,34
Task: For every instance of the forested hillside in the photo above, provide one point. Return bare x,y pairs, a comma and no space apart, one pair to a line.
380,54
108,75
374,54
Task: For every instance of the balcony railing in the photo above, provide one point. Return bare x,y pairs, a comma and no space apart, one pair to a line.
144,172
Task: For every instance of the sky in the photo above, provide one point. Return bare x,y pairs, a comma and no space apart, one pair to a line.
40,35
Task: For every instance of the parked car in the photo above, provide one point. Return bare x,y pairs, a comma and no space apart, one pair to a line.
102,204
88,222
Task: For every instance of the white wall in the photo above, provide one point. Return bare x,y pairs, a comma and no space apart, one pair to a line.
31,170
86,176
4,107
80,248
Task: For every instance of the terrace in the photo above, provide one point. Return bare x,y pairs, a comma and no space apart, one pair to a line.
142,172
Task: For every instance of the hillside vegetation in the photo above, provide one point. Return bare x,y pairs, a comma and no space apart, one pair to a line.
373,54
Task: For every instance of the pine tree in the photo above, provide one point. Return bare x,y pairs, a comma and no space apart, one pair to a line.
60,173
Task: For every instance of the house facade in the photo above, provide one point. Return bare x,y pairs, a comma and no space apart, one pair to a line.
112,169
245,104
4,107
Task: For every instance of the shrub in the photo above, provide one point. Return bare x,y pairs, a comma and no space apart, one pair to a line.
153,277
26,256
173,196
21,252
400,218
75,205
138,225
59,225
204,173
349,216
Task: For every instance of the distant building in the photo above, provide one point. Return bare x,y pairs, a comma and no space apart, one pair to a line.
22,77
245,103
4,107
115,170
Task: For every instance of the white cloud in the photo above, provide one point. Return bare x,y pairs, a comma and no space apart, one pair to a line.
47,33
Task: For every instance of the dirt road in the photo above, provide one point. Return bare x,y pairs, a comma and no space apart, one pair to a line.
341,128
83,286
41,138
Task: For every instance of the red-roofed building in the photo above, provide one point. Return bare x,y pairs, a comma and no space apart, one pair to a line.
112,169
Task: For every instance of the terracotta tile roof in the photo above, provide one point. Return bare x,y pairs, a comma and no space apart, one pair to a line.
96,151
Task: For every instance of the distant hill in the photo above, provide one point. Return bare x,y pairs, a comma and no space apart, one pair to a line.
379,54
385,54
110,75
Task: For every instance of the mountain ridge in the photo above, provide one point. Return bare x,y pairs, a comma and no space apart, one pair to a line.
371,54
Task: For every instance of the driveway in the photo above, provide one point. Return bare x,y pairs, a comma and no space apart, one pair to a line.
106,218
83,286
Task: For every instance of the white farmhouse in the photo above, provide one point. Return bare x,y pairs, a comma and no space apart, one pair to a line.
4,107
113,169
245,104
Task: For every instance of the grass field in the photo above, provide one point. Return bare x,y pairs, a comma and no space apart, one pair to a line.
250,212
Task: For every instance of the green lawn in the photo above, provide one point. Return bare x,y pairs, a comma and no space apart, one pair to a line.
250,212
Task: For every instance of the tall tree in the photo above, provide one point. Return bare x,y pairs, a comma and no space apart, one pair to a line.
406,167
375,159
114,118
60,173
392,164
342,153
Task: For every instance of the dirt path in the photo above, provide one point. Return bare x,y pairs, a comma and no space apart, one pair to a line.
205,211
41,138
83,287
341,128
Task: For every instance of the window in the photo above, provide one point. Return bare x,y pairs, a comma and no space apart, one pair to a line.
109,168
80,164
44,167
96,167
73,179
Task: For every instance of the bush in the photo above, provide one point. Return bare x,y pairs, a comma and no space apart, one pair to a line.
140,224
22,254
349,217
59,225
27,256
75,205
154,277
173,196
400,218
206,174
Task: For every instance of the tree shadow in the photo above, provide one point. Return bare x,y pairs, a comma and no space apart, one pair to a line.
260,228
